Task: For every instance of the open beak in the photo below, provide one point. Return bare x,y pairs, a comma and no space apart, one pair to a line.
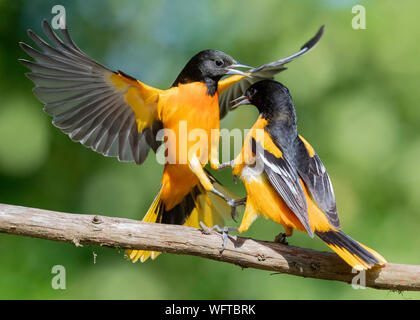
239,101
232,69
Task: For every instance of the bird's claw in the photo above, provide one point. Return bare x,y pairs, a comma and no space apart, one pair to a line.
235,179
281,238
228,164
224,231
233,204
233,213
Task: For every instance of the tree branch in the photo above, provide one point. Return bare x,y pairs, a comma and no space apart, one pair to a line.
124,233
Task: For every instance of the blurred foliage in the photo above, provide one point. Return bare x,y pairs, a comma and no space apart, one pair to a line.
356,96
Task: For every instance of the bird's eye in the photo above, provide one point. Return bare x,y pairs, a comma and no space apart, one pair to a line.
218,62
252,91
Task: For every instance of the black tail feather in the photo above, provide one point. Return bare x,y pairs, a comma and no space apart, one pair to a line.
341,240
180,213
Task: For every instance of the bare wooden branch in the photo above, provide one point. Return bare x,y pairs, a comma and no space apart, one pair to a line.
112,232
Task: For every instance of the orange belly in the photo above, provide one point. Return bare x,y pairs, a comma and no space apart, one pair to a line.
267,202
191,116
177,181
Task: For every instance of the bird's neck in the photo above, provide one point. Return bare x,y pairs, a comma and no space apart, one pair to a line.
193,74
283,128
284,118
211,85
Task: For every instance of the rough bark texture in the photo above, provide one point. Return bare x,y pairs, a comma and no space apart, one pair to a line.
112,232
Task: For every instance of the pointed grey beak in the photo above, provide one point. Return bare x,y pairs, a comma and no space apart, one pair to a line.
232,69
239,101
240,65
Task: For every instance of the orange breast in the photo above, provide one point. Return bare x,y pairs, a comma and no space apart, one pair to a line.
265,199
191,116
263,138
260,193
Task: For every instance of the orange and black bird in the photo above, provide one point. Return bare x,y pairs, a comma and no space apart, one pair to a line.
118,116
285,179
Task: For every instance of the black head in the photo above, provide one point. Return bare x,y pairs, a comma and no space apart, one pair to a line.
270,97
208,66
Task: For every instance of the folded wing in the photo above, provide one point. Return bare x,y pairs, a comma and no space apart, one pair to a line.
285,179
313,173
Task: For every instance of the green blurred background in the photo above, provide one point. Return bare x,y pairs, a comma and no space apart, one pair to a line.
356,97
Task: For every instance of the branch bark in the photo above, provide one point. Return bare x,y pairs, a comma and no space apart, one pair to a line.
112,232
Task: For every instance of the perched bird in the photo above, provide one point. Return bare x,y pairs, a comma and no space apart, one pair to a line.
285,179
117,115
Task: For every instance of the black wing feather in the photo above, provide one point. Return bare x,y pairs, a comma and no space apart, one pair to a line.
285,180
313,173
77,93
264,72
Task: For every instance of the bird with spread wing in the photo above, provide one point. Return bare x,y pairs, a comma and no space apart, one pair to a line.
119,116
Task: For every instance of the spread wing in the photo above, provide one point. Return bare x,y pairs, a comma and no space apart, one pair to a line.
285,179
109,112
315,176
235,86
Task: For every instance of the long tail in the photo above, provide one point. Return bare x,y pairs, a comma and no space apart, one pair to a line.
357,255
198,205
354,253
